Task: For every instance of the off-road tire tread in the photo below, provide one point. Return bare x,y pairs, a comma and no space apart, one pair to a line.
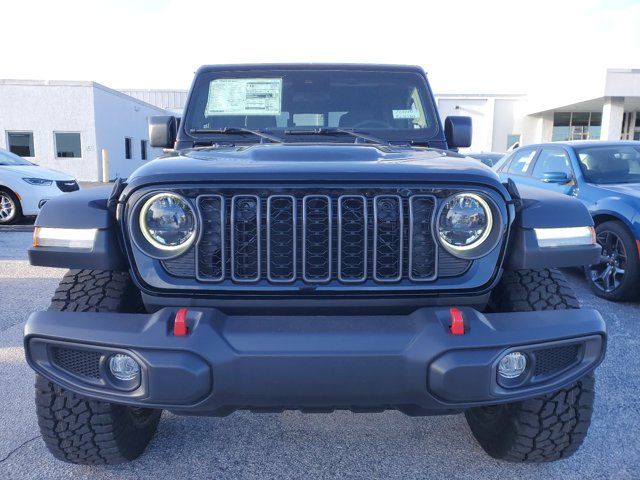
77,429
96,291
543,429
533,290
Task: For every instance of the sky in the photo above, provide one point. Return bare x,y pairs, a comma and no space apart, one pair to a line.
490,46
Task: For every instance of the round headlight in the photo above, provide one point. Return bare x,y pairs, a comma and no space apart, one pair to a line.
465,222
168,222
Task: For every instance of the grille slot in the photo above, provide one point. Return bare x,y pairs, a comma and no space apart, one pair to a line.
281,238
316,238
210,250
422,262
245,238
68,186
553,360
352,238
387,238
82,363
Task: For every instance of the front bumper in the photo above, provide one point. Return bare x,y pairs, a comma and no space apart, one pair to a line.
318,363
33,197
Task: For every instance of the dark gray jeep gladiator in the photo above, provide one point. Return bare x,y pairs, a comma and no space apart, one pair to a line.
312,240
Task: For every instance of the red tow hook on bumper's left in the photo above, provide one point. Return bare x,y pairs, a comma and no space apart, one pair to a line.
457,322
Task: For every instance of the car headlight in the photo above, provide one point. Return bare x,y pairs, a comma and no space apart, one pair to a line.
167,221
43,182
466,225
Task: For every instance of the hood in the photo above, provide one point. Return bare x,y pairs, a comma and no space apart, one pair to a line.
35,171
315,163
624,189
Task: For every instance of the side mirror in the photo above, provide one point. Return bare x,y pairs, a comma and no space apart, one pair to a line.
162,131
457,131
556,177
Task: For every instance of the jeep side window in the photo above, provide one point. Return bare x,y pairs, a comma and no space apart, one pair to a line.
521,162
552,160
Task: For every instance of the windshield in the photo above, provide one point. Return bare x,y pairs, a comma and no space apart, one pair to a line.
610,164
393,105
8,158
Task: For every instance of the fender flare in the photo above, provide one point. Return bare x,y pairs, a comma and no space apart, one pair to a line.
84,209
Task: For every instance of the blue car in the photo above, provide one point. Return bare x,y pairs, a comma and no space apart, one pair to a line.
605,176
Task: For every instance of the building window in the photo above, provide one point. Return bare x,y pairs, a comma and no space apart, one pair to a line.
576,126
143,149
21,143
67,145
127,148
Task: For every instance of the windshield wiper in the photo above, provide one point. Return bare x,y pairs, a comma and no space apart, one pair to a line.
232,130
336,130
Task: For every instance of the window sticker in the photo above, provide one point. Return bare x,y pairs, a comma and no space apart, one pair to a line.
244,96
411,114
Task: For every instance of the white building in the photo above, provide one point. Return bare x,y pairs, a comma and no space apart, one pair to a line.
494,117
610,112
171,100
69,126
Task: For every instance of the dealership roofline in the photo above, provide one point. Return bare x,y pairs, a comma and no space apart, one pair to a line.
77,83
480,95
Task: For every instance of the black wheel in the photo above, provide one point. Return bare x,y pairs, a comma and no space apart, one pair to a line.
546,428
617,276
10,208
74,428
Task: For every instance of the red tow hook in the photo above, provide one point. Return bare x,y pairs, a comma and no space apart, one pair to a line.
180,328
457,322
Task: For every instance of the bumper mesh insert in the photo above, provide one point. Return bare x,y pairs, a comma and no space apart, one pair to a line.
553,360
82,363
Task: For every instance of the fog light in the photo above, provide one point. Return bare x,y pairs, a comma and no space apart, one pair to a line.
123,367
512,365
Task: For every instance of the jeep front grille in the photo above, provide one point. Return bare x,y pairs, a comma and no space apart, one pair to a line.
358,237
314,238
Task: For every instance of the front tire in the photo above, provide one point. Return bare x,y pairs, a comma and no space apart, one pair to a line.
546,428
79,430
10,208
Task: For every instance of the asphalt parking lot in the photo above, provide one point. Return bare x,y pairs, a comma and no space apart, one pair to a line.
295,445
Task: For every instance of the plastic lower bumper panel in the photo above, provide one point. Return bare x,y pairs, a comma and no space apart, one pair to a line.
318,363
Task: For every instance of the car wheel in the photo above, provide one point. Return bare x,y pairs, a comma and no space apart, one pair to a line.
617,276
546,428
77,429
10,209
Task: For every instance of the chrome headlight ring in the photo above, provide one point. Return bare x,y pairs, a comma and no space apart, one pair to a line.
176,225
484,236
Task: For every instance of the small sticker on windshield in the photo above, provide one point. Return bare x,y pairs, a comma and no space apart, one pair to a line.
244,96
410,114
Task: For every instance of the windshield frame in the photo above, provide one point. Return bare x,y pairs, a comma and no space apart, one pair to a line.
12,156
202,79
586,175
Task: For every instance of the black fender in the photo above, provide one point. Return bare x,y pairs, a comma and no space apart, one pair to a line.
539,208
86,208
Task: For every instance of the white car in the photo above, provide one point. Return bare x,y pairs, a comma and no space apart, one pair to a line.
26,187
